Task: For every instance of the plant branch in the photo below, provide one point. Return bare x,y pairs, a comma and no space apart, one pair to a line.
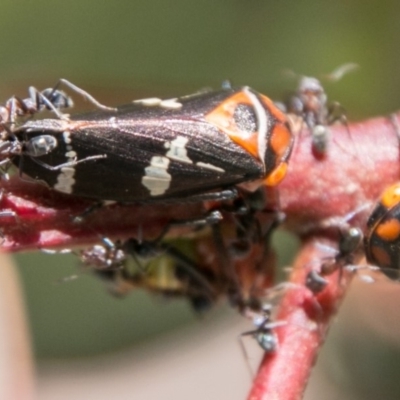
284,374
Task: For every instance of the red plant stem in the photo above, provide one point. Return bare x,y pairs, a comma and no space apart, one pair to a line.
44,218
284,374
360,163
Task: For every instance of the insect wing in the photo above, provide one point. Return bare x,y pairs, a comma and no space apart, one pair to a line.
151,151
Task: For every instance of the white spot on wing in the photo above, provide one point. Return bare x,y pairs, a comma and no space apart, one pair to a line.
177,150
109,202
155,101
67,137
71,154
171,104
150,102
210,166
65,179
156,177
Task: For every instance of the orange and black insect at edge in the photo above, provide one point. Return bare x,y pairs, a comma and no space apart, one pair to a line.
382,242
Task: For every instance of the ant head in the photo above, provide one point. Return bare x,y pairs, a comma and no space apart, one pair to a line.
350,240
57,98
315,281
310,94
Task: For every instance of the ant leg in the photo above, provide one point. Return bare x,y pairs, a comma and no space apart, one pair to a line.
67,164
341,70
85,95
223,195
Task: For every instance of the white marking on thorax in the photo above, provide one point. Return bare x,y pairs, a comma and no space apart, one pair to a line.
262,124
210,166
156,177
177,150
65,179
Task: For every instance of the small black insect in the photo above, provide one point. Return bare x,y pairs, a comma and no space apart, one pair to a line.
264,329
310,102
350,241
52,99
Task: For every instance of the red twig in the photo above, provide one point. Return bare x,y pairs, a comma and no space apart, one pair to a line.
361,162
45,219
284,373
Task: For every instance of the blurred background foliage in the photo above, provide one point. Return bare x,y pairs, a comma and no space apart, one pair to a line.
125,49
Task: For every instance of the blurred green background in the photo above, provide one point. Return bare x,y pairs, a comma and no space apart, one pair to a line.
125,49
